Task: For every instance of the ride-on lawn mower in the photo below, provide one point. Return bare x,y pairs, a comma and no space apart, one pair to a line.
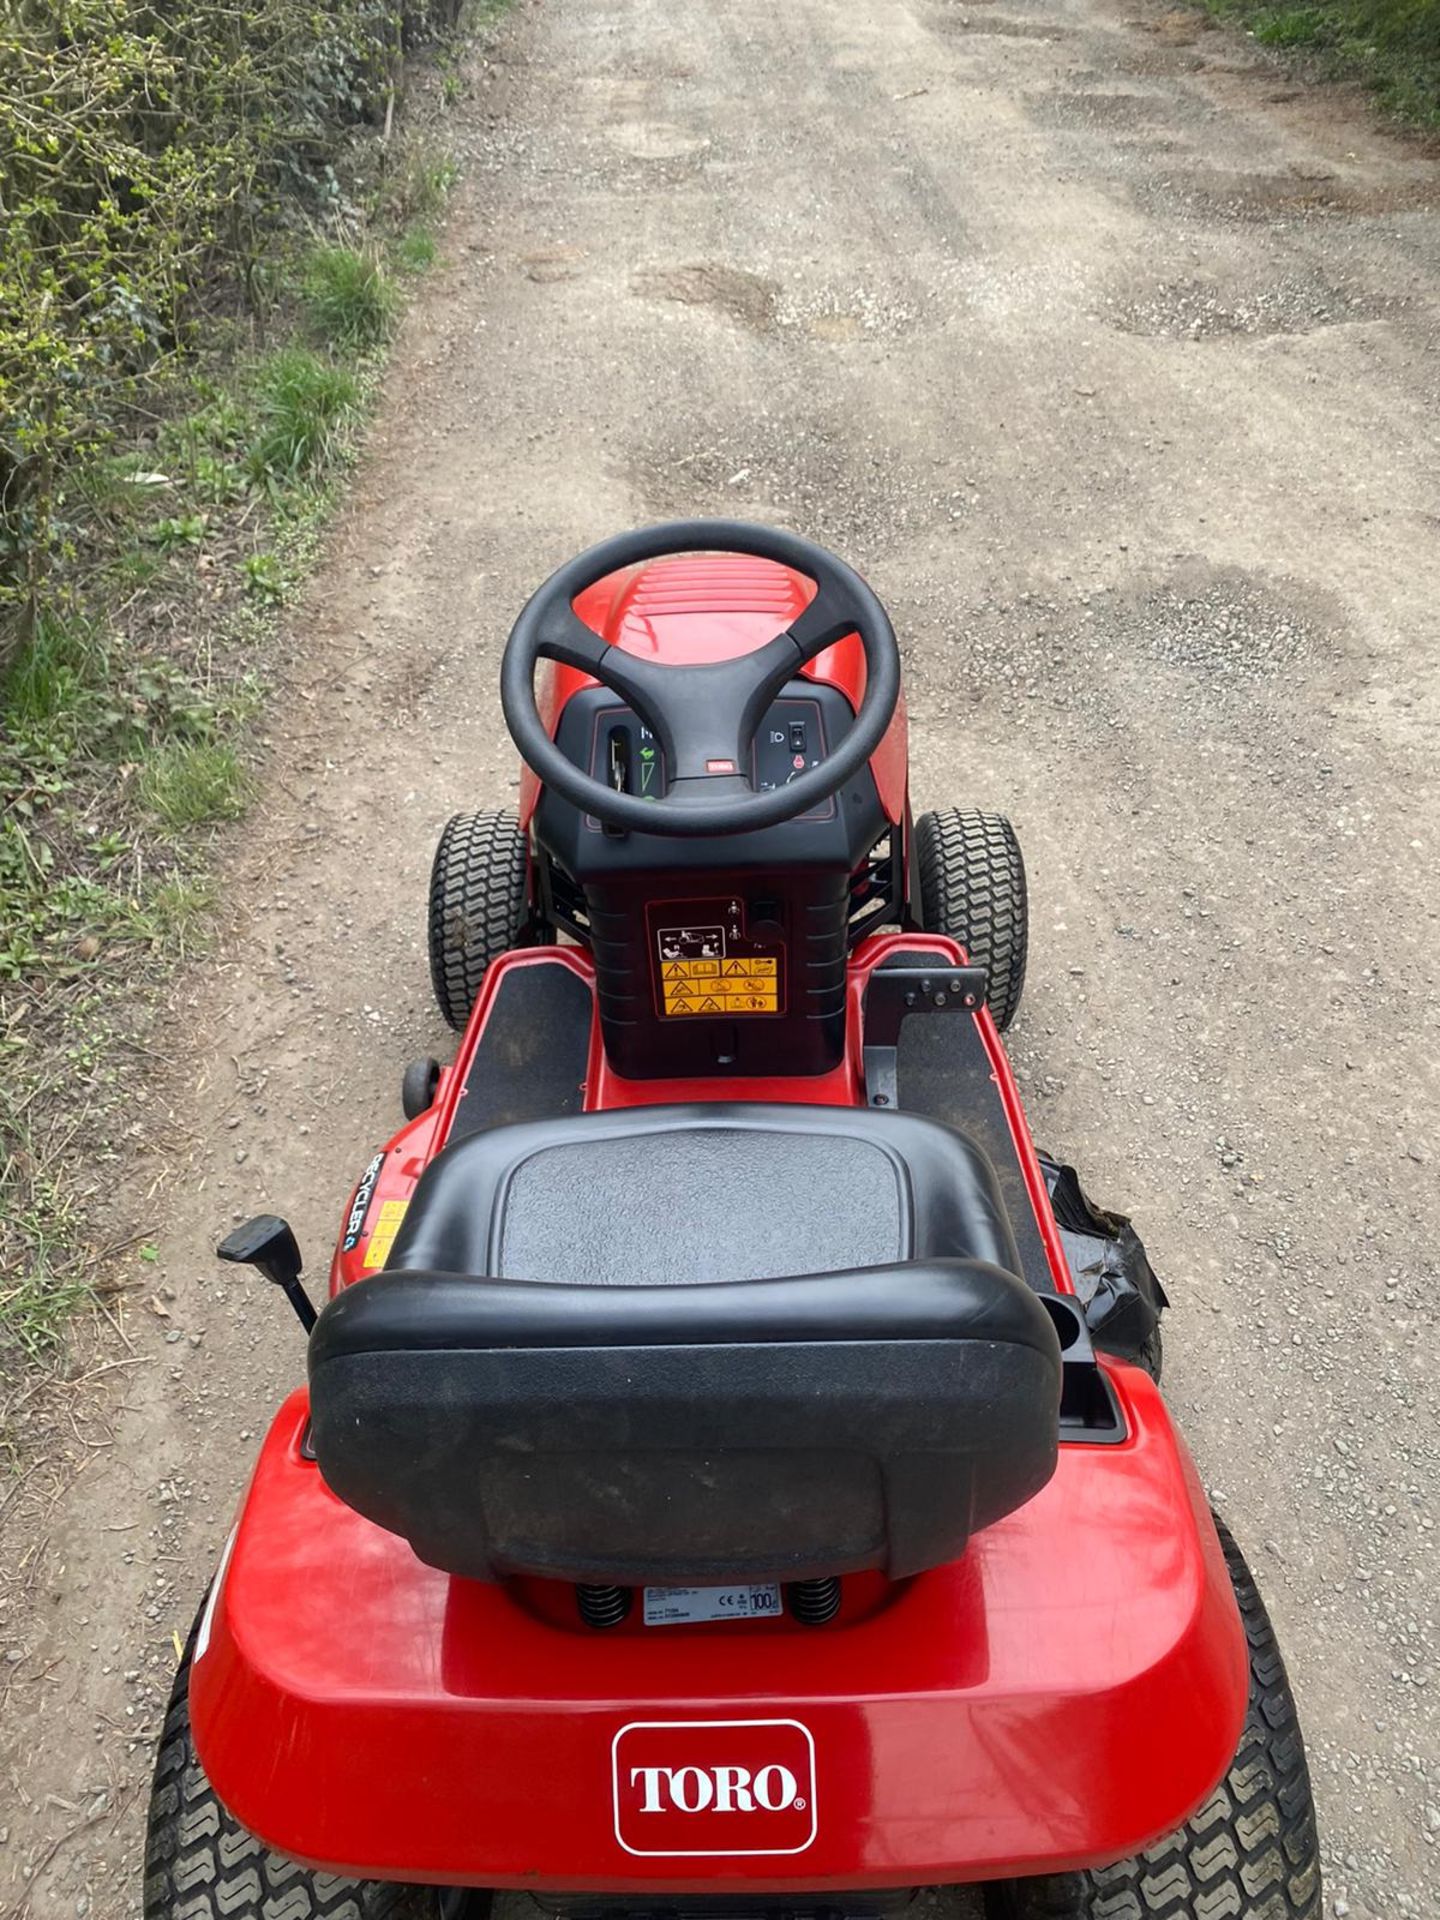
732,1477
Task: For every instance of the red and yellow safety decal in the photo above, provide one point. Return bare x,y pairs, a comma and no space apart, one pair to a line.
382,1237
742,985
707,965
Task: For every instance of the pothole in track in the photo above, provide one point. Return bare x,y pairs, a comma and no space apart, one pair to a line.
1094,110
971,21
1283,303
746,298
1212,193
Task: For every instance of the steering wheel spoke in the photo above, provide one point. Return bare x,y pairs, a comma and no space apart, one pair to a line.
826,620
565,637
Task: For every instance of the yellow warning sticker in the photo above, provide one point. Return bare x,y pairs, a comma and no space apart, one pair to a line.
721,986
726,1003
387,1225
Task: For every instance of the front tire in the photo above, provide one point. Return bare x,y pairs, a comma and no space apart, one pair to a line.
418,1087
1250,1853
972,888
201,1865
479,905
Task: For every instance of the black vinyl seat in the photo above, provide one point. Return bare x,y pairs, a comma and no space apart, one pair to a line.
663,1195
679,1344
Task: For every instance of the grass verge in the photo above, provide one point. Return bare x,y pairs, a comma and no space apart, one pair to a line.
1392,45
122,721
125,708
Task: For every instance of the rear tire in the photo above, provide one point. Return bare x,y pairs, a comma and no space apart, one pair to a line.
1250,1853
202,1865
1151,1357
972,888
479,906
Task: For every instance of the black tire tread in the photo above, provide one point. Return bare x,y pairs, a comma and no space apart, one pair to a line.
972,887
201,1864
478,905
1152,1356
1250,1853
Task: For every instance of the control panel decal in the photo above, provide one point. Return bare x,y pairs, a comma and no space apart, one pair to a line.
625,754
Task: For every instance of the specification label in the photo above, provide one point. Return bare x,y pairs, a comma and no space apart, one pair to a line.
682,1606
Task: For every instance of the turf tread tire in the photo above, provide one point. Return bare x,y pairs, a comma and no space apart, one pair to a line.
478,905
1250,1853
200,1864
972,887
1151,1356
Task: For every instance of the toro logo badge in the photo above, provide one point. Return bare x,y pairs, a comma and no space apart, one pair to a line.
687,1787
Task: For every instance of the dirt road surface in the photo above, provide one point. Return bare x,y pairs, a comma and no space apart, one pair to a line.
1112,357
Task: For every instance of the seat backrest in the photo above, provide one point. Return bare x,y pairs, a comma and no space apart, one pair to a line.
769,1429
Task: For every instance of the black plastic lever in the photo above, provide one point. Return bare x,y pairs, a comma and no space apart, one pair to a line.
267,1243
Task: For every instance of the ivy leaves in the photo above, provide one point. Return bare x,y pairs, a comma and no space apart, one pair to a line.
145,151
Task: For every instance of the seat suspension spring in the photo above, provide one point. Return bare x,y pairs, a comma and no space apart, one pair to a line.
603,1606
813,1602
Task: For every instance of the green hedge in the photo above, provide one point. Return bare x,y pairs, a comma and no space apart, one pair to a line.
1394,45
146,152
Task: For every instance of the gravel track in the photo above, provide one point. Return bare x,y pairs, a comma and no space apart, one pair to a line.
1112,358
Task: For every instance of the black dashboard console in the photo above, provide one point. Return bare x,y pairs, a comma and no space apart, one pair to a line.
723,955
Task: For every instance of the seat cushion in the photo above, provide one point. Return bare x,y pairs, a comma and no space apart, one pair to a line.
706,1193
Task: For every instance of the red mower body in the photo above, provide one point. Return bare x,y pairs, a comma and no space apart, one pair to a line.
1067,1691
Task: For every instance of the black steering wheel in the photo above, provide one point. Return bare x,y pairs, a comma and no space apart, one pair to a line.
704,717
